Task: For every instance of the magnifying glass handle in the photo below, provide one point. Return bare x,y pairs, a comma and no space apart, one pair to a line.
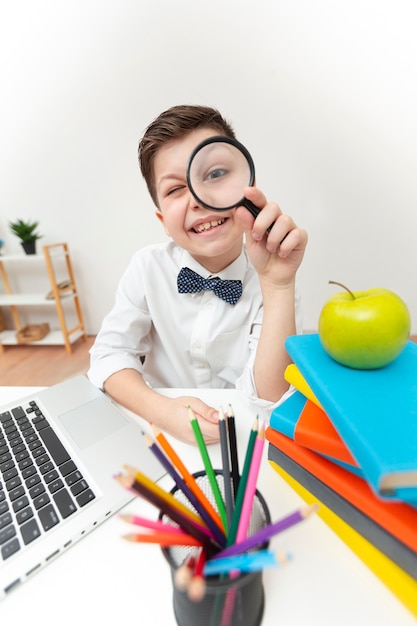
254,211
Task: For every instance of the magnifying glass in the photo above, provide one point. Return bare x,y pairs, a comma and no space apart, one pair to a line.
217,171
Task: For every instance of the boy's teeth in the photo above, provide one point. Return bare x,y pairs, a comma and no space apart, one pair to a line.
208,225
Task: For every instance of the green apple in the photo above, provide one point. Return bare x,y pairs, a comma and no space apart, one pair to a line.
364,329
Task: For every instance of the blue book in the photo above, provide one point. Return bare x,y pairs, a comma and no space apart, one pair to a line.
374,412
285,419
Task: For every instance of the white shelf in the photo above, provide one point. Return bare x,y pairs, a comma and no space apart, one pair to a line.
57,251
31,257
53,338
30,299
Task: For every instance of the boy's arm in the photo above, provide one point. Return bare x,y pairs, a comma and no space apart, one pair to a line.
271,357
276,257
171,415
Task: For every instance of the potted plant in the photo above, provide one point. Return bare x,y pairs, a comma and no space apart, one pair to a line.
26,231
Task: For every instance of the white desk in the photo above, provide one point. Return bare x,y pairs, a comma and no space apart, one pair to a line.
110,581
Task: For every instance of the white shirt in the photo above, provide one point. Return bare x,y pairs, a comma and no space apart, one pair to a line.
186,340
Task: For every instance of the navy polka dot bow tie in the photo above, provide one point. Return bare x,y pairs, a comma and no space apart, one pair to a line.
191,282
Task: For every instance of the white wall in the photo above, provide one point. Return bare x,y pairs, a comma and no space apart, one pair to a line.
323,93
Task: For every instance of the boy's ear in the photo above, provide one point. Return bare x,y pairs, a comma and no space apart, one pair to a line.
160,217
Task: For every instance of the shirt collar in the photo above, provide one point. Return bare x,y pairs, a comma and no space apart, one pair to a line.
234,271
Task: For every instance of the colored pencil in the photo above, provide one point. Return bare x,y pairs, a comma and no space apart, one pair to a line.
163,495
153,524
250,491
234,460
184,573
197,585
242,484
208,467
251,562
169,509
181,484
263,535
188,477
163,539
227,481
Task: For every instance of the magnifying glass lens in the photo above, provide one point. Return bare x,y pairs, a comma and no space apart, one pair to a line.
218,173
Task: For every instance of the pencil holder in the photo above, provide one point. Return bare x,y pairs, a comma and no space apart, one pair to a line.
228,600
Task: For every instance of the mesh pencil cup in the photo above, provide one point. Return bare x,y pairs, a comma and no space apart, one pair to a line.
228,601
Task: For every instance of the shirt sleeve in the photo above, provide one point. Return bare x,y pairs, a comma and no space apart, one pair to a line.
246,382
123,339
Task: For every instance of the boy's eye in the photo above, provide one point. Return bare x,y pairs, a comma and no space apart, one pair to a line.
174,190
218,172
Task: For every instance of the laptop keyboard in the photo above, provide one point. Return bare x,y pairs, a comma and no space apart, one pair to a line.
40,485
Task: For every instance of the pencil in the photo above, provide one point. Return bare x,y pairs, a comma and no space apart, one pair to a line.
163,539
180,483
147,523
163,495
188,477
197,585
234,462
169,509
263,535
184,573
242,484
247,562
224,445
250,491
208,467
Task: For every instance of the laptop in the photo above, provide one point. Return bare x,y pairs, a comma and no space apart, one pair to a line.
59,451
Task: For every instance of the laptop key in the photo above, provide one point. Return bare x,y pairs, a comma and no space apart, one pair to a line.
68,467
30,531
41,500
79,487
48,517
64,503
7,533
18,412
55,447
24,515
20,504
85,497
5,520
10,548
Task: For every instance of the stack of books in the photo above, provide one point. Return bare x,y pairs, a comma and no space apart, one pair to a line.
347,439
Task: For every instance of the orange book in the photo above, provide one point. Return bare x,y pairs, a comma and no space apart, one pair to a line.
301,419
396,517
314,430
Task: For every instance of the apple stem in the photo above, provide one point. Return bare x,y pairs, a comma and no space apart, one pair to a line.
333,282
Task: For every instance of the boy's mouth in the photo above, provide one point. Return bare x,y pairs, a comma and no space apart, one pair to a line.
204,226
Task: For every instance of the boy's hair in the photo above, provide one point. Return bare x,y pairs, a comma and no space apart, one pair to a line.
174,123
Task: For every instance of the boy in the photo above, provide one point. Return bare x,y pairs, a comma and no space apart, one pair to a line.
156,336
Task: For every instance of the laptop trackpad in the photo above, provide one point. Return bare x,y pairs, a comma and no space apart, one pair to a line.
92,422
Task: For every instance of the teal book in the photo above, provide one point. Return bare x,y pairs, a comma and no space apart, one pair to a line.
373,411
287,419
285,416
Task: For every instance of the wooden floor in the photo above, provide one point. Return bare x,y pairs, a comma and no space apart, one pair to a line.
43,365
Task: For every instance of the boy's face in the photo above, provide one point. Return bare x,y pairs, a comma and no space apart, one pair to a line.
213,238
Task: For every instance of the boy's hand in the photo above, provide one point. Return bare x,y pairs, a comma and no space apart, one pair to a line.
178,425
276,255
